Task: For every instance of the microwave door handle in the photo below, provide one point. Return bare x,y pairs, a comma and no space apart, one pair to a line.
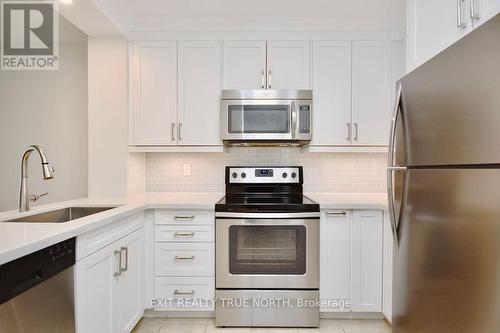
294,128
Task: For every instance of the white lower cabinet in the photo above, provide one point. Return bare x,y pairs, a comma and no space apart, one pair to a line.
181,259
387,267
351,260
335,259
366,245
108,287
184,260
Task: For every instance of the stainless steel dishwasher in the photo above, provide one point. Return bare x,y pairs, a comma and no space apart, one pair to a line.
36,291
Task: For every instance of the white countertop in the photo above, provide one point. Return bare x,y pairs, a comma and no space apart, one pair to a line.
350,200
19,239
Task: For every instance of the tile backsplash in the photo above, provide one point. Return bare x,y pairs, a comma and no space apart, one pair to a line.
350,173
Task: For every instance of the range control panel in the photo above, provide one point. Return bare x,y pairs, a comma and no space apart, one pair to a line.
264,175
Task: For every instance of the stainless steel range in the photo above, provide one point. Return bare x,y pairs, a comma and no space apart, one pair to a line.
267,247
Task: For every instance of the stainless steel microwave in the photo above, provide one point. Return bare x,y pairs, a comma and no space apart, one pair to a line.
266,117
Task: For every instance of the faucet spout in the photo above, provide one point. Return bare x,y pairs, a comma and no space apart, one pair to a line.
47,171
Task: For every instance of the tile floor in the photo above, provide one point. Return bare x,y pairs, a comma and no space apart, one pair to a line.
200,325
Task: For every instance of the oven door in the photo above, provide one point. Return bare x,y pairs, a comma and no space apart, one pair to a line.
267,253
257,120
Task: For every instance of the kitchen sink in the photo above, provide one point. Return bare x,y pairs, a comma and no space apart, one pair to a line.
61,215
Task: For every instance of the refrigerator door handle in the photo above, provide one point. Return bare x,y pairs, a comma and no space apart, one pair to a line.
392,168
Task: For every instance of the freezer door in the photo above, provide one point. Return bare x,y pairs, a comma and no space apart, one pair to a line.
447,266
452,103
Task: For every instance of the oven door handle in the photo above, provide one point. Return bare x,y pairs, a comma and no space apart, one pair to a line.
267,215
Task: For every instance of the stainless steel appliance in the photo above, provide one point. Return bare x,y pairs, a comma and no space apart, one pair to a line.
266,117
36,291
444,190
267,249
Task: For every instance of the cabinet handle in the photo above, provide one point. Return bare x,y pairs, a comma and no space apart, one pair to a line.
355,131
119,254
473,14
343,213
184,218
177,292
184,258
124,250
348,132
269,80
173,130
262,79
184,234
179,134
460,23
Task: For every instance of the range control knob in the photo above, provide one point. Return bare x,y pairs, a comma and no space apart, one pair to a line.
294,175
243,175
234,175
284,175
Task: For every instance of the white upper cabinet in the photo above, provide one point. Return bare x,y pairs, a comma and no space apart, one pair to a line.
332,92
482,10
154,85
199,92
371,92
432,25
367,260
244,65
289,65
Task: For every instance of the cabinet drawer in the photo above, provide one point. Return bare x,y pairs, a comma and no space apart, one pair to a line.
183,259
200,288
99,238
184,217
184,234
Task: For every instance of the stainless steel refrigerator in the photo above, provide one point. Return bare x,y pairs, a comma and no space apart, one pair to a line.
444,190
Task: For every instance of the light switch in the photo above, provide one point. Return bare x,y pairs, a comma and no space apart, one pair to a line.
186,170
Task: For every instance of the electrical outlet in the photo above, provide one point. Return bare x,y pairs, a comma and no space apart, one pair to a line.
186,170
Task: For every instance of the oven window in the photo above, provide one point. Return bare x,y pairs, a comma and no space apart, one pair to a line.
258,119
272,250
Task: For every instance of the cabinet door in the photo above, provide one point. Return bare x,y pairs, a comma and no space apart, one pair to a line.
289,65
387,267
154,84
335,259
482,10
199,93
244,65
371,92
432,27
95,292
129,283
367,261
332,92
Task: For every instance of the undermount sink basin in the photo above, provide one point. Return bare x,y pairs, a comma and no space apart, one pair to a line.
61,215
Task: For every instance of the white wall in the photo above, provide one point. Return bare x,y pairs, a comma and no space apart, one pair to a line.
48,108
109,159
348,173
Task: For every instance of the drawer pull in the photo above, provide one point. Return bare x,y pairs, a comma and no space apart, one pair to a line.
337,213
184,258
177,292
184,218
184,234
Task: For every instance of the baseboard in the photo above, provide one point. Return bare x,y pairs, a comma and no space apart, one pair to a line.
148,313
351,315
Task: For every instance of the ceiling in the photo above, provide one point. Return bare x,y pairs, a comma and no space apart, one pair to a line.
256,8
389,13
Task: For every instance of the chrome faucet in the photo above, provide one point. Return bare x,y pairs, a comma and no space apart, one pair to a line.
47,170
